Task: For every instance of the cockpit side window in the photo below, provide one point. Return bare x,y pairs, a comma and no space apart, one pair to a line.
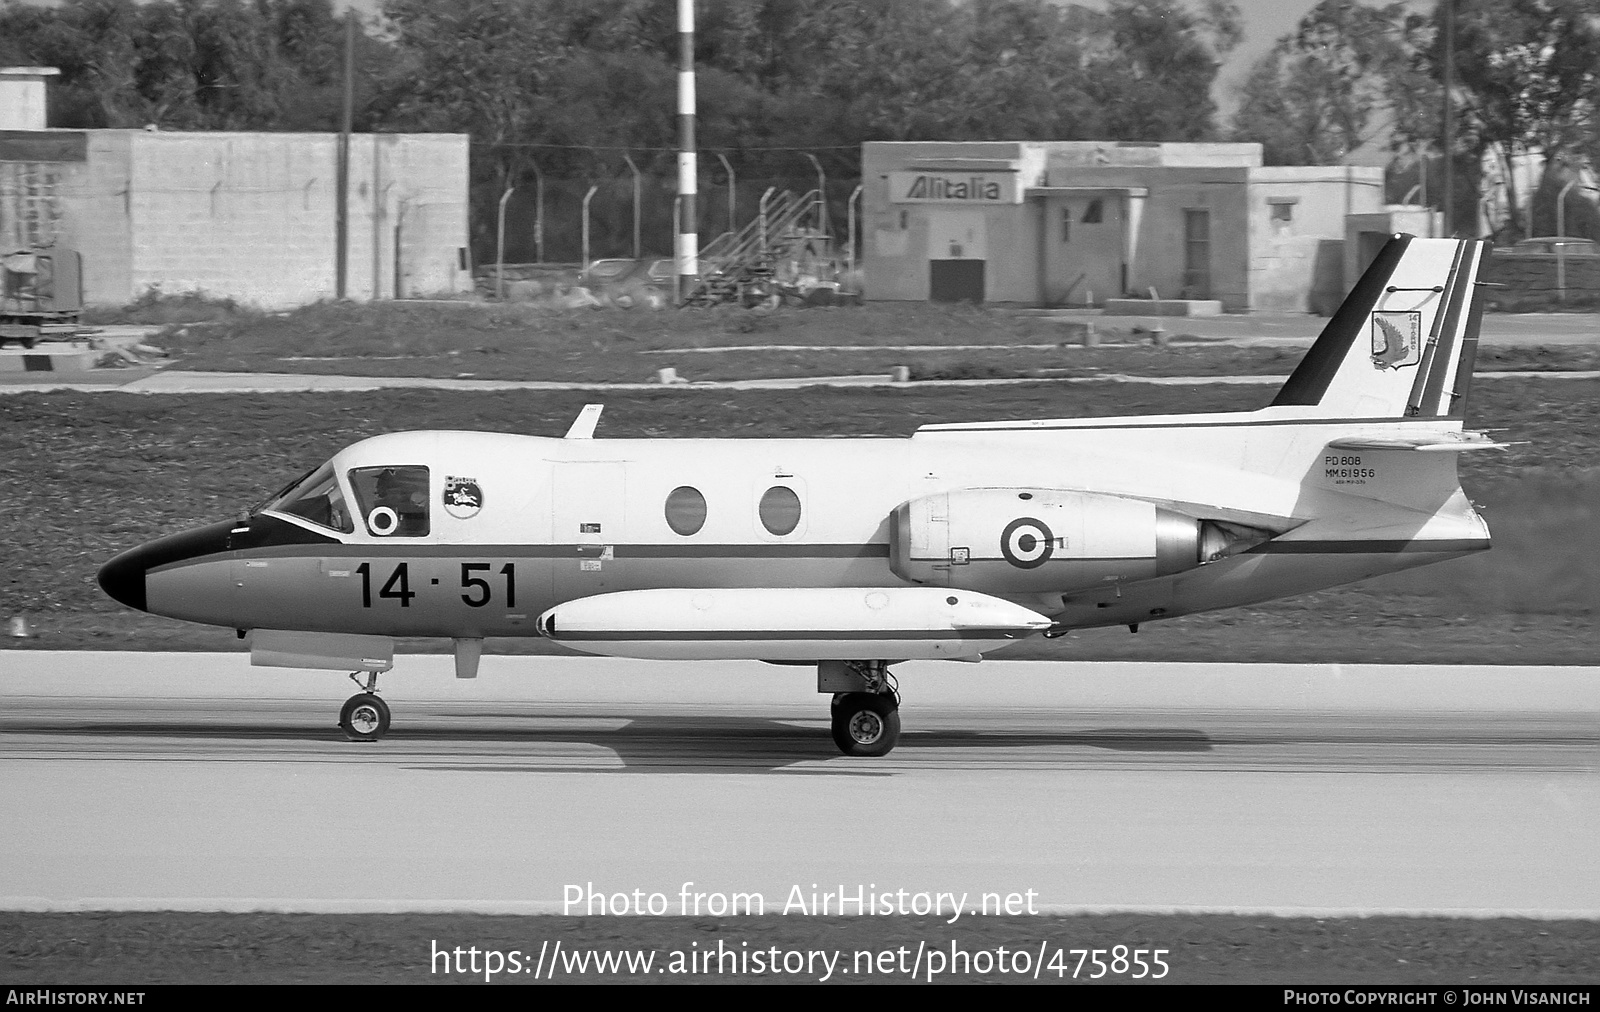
393,500
317,498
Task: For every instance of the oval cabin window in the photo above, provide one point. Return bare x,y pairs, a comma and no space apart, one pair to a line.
780,510
686,510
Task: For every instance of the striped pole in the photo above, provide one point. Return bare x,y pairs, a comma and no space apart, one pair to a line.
688,247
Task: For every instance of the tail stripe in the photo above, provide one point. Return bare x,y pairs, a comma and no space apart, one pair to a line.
1311,377
1441,343
1462,381
1431,350
1442,394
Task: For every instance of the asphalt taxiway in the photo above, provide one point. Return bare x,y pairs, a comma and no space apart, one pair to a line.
193,781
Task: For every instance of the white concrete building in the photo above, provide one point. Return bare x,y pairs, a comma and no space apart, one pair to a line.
247,216
24,97
1078,222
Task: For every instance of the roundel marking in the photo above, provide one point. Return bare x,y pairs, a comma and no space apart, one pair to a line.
1027,543
383,521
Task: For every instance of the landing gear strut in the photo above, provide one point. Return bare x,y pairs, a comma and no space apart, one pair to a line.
364,717
867,723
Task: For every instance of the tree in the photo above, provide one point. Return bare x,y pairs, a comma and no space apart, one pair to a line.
188,64
1152,74
1345,78
1526,77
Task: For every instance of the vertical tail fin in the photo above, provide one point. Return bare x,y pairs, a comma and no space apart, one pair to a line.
1402,344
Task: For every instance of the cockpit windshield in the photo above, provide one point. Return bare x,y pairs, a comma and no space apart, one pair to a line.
317,498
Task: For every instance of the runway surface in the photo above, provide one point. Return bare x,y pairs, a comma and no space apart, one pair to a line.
192,781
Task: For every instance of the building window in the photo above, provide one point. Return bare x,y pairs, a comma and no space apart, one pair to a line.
780,510
1282,209
686,510
1066,224
1095,212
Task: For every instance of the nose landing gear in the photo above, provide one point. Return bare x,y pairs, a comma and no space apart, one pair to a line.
364,717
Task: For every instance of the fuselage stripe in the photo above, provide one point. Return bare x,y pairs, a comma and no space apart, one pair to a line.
1307,422
408,550
1373,546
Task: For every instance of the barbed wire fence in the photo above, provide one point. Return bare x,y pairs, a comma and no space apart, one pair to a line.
543,187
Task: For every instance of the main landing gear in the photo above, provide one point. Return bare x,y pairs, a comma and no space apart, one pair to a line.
364,717
866,721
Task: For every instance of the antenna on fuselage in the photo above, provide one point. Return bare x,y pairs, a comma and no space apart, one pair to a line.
583,425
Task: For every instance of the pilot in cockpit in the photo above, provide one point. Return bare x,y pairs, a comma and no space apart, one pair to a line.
405,491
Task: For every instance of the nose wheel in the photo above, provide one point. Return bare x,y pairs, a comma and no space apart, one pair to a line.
865,723
365,717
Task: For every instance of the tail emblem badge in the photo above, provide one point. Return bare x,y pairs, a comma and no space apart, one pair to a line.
1396,339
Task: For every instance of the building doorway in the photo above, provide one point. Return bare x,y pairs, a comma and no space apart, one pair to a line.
1196,253
958,251
955,280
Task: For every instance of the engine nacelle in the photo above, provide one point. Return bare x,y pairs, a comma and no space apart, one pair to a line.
1018,540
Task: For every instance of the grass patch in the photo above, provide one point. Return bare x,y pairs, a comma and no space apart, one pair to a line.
1577,301
1546,555
88,475
525,342
1538,358
155,308
513,341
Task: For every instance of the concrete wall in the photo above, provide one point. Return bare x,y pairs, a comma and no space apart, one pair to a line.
251,216
97,220
1159,262
1536,273
1298,265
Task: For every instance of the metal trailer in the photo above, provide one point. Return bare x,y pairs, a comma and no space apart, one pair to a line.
41,294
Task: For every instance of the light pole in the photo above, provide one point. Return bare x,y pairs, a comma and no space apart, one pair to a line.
500,245
731,185
629,159
822,193
586,198
1449,119
538,213
687,253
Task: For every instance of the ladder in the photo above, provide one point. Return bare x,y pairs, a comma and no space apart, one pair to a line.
742,266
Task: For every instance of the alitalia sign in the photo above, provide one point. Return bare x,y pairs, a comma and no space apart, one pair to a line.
953,188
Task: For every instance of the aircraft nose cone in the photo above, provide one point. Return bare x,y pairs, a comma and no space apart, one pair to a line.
123,577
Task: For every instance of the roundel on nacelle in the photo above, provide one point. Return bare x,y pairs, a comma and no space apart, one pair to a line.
1027,543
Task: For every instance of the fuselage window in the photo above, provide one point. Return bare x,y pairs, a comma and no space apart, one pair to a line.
686,510
780,510
393,500
318,499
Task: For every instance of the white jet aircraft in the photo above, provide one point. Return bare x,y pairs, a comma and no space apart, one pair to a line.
852,554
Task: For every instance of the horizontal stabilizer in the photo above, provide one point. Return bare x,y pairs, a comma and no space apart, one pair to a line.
1430,442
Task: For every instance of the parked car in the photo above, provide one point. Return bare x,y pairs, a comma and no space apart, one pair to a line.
1572,246
627,283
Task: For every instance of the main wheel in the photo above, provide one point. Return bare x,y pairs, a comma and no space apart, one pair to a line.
866,724
365,717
